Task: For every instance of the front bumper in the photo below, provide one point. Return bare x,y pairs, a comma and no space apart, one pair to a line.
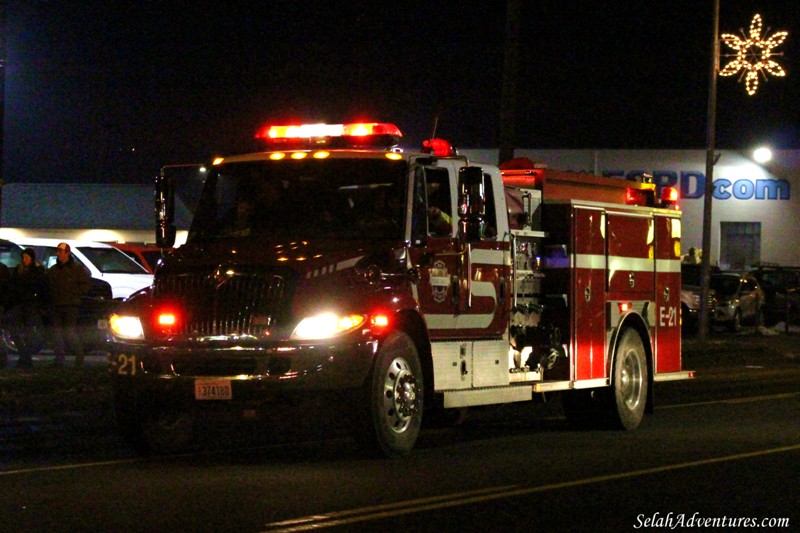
723,313
251,370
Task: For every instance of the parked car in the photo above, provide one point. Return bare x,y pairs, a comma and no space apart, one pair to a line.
691,288
10,253
105,262
149,256
781,286
738,299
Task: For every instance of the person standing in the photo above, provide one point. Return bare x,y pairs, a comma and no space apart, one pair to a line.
5,291
68,282
30,288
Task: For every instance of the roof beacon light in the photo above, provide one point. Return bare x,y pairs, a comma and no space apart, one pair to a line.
353,135
438,147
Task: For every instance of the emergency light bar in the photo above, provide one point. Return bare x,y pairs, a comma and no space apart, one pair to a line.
353,135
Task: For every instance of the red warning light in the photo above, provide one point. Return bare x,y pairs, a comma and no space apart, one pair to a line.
356,134
167,320
438,147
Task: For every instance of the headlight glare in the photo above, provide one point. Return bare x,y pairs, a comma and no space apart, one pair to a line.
326,325
126,327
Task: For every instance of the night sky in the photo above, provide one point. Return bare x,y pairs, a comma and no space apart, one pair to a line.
110,91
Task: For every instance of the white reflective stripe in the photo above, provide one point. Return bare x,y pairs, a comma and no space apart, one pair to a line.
487,257
349,263
668,265
330,269
458,321
633,264
590,261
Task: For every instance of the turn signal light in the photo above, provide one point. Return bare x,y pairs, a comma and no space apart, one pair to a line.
167,319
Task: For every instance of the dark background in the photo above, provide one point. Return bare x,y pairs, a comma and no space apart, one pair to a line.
110,90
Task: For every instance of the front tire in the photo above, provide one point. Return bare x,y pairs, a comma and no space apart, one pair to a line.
392,401
630,382
151,428
736,322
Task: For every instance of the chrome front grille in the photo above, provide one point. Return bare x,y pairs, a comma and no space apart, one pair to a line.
224,302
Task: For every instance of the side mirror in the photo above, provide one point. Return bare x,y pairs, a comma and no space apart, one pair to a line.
471,204
165,211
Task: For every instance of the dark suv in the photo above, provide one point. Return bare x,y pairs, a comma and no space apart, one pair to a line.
781,286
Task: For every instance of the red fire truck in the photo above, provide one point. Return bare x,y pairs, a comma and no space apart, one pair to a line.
392,286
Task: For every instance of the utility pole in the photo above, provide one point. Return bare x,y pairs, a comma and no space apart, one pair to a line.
2,96
711,157
508,94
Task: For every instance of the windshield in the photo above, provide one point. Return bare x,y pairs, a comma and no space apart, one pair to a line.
330,198
725,285
10,254
112,261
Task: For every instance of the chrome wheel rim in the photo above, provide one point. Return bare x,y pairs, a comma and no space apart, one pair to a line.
631,377
399,395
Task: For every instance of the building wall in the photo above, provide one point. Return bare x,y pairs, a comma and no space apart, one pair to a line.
97,234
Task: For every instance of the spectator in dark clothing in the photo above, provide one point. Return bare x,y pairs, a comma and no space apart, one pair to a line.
5,292
29,293
68,281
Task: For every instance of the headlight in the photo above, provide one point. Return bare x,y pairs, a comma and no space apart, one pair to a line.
126,327
326,325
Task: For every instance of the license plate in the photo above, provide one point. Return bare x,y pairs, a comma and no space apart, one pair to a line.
213,389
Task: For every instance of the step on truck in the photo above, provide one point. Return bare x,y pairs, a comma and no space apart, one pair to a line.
395,286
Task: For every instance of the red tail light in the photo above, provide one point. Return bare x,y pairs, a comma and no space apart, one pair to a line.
669,195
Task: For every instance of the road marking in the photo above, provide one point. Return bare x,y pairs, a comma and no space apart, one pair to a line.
69,467
748,399
379,512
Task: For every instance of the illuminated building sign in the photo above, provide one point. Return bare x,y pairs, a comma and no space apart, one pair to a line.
692,185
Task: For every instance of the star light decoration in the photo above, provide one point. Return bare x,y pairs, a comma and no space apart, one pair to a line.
753,55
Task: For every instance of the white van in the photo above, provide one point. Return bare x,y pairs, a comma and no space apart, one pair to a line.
105,262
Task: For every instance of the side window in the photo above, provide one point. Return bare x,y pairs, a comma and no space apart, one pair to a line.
439,199
10,256
46,255
490,226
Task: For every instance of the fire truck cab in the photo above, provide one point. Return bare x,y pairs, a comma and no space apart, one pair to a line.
397,286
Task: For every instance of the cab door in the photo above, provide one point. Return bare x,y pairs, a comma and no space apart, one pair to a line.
434,249
462,286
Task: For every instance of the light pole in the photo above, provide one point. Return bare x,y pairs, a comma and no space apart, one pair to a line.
753,58
2,95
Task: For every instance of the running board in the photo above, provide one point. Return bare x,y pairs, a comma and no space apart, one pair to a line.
487,396
674,376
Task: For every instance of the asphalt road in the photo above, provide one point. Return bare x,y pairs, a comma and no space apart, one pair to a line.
723,449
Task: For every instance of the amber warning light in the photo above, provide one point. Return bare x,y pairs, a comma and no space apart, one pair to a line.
352,135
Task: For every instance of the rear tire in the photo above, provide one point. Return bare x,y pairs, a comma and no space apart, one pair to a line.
630,382
391,414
